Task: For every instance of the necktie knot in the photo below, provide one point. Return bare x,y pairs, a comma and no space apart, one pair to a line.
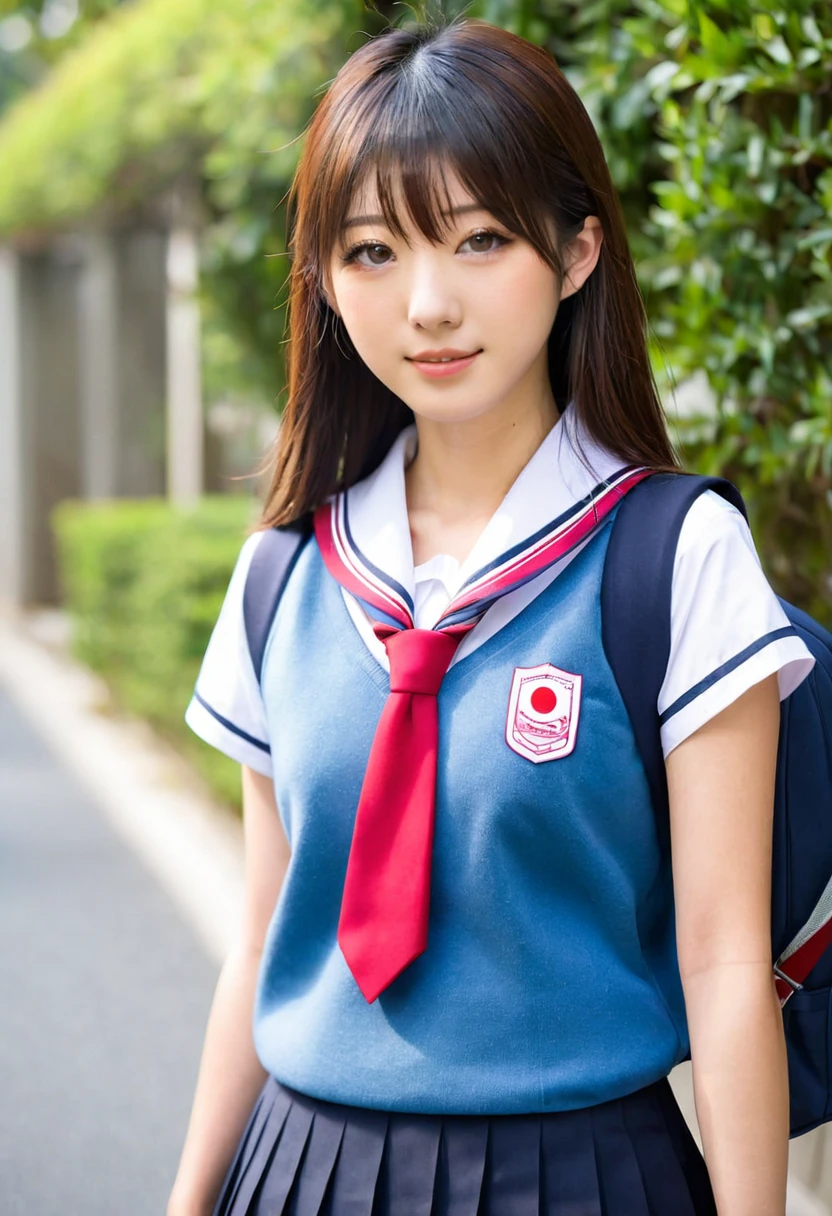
419,659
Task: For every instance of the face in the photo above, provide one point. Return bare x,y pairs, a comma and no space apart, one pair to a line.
482,292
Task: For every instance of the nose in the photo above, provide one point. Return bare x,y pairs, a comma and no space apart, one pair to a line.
433,300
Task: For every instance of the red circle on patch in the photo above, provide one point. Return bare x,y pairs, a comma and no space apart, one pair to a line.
543,700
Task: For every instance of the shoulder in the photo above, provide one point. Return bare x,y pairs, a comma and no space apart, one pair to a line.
715,546
728,627
226,709
713,522
246,555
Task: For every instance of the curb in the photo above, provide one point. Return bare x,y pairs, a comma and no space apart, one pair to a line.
149,794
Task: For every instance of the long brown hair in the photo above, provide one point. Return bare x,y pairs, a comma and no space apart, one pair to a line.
498,111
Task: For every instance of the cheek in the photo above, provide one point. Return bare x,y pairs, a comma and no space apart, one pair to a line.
523,305
366,315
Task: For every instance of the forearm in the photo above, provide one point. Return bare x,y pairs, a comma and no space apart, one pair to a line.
230,1078
740,1086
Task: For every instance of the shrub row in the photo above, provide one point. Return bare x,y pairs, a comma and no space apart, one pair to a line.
143,582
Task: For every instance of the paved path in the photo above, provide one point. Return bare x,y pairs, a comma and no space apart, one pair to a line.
104,992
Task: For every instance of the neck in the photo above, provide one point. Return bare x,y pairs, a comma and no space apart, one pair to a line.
463,470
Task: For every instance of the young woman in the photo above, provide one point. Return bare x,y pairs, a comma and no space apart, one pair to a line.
466,963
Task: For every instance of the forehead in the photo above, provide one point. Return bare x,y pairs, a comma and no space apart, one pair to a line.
441,181
435,197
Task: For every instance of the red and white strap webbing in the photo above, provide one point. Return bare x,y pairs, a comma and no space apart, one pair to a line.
801,954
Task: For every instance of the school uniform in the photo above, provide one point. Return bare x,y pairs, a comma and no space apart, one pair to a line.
518,1063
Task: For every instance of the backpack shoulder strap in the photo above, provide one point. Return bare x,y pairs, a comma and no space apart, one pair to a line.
272,563
635,602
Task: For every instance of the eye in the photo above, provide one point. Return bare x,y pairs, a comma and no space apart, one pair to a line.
489,235
352,254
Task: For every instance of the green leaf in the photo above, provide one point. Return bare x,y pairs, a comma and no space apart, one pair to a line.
803,318
779,52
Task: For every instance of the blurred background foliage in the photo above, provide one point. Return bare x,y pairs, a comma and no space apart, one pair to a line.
145,583
716,119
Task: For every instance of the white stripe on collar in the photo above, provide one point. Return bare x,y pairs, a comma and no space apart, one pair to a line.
378,514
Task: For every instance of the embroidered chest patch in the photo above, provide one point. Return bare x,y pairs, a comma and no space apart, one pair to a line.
543,711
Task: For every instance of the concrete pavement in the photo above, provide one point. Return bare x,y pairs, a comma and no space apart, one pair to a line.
105,992
109,943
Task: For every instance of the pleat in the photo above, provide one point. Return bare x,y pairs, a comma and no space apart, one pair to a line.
512,1182
569,1182
257,1164
302,1157
661,1169
284,1164
258,1117
356,1171
687,1151
321,1155
619,1176
407,1177
460,1167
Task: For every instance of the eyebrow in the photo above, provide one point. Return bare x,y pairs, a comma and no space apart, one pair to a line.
379,219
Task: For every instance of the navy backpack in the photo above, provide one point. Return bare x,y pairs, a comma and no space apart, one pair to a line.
635,608
635,612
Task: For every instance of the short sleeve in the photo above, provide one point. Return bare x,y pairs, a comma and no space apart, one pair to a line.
226,709
728,629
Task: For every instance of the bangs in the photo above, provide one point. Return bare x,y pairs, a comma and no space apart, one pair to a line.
399,139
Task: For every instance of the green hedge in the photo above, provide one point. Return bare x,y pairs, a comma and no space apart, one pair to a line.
143,582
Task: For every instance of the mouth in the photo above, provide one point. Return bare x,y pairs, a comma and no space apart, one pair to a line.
446,355
443,363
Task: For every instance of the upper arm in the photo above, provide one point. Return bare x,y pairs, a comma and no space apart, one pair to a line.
266,857
733,656
721,790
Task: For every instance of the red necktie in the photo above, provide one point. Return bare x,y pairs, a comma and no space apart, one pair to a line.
384,909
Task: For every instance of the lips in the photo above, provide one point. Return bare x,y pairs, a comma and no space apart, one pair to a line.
444,355
446,366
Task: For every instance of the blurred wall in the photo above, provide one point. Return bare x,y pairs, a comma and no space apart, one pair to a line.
82,388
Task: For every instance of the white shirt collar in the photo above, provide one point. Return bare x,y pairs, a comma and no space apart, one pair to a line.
553,480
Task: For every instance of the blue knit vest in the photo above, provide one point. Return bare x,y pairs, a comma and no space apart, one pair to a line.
550,980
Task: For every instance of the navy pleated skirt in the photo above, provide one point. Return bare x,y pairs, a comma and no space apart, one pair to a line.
299,1156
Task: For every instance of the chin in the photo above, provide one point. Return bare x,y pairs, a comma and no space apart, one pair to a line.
448,411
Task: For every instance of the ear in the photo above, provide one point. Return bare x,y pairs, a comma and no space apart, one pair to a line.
580,256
